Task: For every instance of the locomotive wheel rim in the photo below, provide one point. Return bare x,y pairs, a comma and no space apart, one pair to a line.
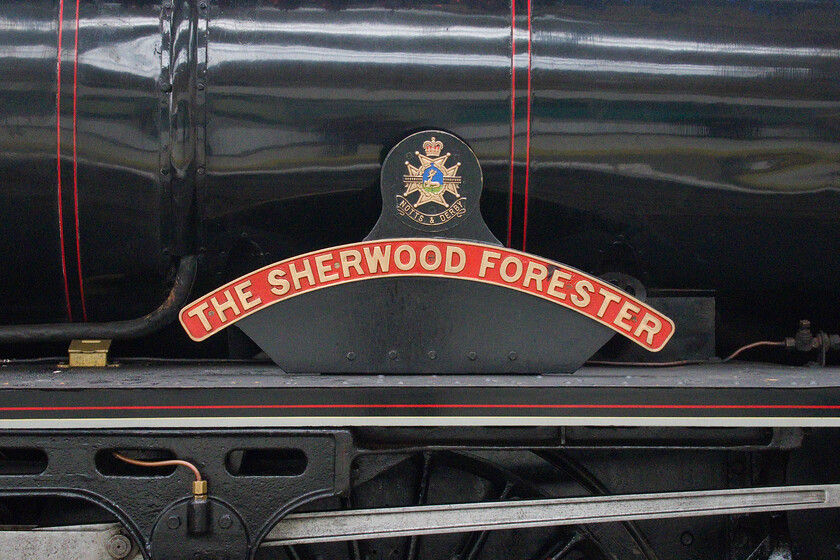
558,543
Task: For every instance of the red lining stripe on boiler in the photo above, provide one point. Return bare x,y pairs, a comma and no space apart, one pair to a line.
527,135
75,165
512,114
58,160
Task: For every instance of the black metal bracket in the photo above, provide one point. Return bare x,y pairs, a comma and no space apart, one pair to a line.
431,184
153,507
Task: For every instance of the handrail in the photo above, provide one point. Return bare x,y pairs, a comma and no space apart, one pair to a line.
114,330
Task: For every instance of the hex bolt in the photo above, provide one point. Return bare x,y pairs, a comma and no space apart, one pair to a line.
432,354
203,5
173,522
686,538
472,356
119,546
512,356
200,86
166,88
351,356
167,5
393,354
225,522
200,171
164,171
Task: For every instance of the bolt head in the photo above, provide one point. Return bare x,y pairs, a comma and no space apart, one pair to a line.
351,356
200,86
119,546
225,522
173,522
472,356
432,354
393,354
686,538
512,356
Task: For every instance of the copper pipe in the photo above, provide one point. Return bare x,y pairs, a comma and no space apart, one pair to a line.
685,362
753,345
168,463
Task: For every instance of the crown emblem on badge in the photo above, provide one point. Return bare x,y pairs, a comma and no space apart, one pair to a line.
432,197
432,147
433,182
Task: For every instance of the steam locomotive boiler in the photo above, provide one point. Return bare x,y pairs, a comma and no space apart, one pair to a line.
463,279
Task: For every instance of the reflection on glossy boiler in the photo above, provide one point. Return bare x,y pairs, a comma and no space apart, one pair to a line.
663,144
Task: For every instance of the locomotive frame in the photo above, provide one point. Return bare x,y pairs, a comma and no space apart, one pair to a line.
152,151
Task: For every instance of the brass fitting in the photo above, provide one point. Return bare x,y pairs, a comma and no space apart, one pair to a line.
199,488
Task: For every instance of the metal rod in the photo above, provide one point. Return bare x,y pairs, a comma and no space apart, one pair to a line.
115,330
315,527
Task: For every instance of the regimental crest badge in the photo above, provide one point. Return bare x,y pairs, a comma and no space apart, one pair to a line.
431,181
432,195
430,260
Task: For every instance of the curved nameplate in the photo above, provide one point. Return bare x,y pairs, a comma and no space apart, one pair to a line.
459,260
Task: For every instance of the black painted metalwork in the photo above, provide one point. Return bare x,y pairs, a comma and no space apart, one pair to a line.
732,394
144,502
224,537
694,335
395,326
668,140
368,471
425,325
691,145
117,330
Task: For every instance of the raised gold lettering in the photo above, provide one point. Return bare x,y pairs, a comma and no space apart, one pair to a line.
628,311
609,298
537,273
279,284
412,257
350,259
229,304
450,266
486,262
325,273
517,267
557,283
650,325
245,295
582,298
427,263
305,273
378,259
199,312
